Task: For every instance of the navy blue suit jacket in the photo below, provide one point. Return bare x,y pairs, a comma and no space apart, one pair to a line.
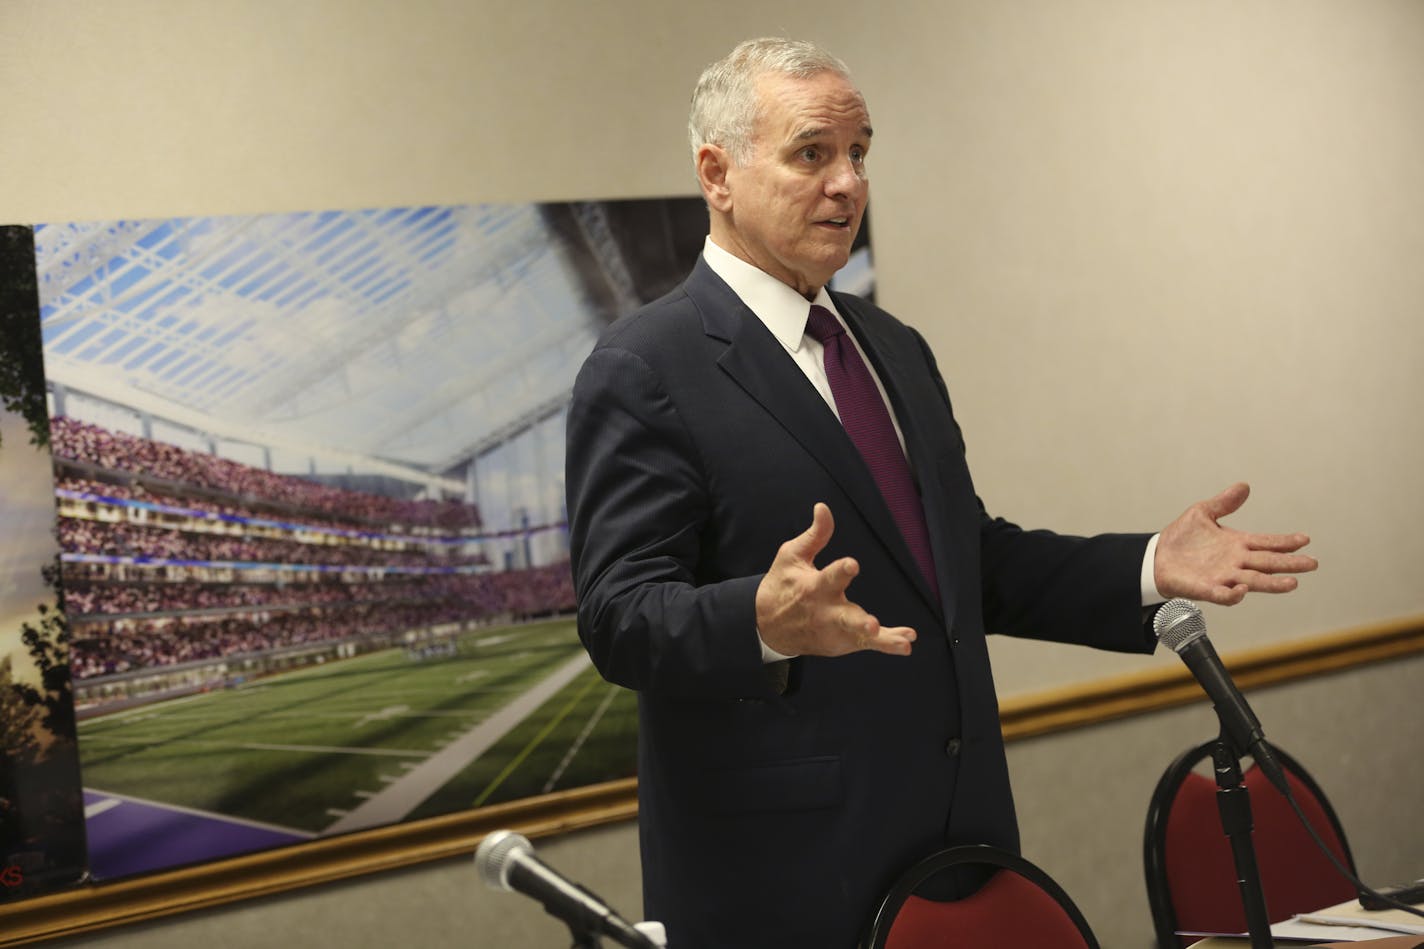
775,810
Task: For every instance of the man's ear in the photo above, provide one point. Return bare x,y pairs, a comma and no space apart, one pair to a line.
713,164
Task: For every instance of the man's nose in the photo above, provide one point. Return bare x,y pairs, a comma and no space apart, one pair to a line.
845,179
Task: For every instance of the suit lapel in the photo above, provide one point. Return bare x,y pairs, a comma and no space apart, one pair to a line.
758,363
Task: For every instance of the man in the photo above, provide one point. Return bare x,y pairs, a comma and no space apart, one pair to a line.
816,709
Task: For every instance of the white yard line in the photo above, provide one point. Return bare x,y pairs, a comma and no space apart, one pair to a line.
99,807
583,737
333,750
405,794
254,746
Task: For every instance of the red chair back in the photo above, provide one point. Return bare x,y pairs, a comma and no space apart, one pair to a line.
1197,869
1009,912
1018,905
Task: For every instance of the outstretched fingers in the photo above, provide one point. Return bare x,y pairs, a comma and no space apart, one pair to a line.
1280,543
1228,501
810,542
895,640
1271,561
802,609
1199,558
837,576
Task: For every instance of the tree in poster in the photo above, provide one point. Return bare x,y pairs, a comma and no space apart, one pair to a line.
41,804
22,385
48,644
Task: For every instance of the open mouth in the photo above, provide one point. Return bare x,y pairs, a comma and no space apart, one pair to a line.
839,223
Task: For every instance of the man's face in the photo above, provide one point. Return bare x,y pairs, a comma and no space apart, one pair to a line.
796,204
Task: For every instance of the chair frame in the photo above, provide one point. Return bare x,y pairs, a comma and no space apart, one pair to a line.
968,855
1154,847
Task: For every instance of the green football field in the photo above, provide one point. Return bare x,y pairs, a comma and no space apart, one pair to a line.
514,712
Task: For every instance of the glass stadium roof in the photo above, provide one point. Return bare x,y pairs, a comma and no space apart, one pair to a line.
419,336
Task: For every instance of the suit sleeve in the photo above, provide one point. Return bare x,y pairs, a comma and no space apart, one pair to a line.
1039,584
638,510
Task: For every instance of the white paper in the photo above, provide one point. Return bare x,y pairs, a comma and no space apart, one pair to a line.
1328,924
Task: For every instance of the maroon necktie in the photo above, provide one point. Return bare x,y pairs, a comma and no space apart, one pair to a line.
867,422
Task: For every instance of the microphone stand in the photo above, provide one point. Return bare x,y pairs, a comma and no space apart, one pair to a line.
1233,802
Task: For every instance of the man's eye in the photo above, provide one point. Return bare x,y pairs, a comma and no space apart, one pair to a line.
857,155
809,153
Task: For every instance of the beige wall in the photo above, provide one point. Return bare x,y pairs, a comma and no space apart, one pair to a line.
1157,246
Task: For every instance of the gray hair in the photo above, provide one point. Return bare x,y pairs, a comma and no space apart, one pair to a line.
724,104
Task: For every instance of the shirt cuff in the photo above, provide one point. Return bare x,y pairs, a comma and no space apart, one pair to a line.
1150,594
768,654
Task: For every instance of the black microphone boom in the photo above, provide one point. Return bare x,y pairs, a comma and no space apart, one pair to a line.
1180,626
506,861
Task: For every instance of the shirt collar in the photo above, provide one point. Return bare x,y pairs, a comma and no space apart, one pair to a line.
781,308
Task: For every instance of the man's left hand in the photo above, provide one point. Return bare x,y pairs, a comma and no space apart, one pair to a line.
1199,559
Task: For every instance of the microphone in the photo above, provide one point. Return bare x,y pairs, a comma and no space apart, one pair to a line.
506,861
1180,626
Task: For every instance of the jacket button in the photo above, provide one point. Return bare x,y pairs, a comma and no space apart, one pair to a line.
951,747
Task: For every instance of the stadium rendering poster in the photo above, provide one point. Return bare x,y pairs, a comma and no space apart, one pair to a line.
308,476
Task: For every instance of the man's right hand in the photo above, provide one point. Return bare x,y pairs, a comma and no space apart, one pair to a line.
803,611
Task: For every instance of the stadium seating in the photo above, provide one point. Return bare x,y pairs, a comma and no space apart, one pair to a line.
178,557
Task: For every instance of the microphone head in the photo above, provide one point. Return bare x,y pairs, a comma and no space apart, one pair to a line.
1178,623
495,855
